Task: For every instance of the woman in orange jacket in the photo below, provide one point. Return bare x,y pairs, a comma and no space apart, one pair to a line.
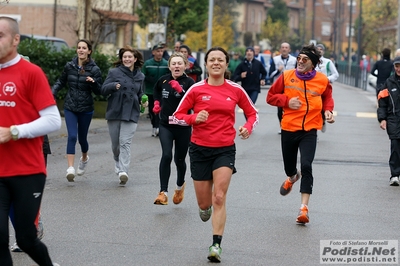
304,95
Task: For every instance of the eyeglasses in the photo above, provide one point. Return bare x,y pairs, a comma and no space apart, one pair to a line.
304,59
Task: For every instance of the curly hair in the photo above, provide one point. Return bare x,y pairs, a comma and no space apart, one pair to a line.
178,54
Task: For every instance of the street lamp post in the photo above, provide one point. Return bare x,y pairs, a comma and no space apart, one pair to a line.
398,25
349,38
210,21
359,47
164,13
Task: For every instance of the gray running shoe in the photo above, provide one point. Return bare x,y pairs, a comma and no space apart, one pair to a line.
214,254
82,166
205,214
286,186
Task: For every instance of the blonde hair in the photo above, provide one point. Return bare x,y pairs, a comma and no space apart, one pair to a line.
178,54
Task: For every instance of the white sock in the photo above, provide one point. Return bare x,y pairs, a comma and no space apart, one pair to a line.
178,187
165,193
303,205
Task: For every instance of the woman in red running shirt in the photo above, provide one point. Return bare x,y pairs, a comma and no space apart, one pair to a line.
212,149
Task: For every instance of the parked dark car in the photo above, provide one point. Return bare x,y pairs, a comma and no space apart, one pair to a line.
58,43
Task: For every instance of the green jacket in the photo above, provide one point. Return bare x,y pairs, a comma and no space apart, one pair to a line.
152,71
233,64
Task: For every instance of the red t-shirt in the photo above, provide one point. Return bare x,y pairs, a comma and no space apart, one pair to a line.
24,91
220,102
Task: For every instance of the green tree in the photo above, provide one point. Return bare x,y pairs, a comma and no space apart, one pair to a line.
187,16
222,32
275,32
279,12
276,27
376,15
52,62
183,15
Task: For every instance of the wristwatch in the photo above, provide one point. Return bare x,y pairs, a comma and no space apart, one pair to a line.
14,132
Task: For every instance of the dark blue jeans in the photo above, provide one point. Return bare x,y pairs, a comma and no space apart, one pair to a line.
78,128
253,96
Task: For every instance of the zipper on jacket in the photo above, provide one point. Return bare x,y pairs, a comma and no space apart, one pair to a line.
305,96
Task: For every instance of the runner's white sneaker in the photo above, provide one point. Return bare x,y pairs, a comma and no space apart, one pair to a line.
123,178
70,174
15,248
82,165
394,181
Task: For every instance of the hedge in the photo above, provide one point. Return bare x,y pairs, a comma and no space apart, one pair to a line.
52,62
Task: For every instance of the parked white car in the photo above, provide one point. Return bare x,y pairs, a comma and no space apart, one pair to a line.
372,80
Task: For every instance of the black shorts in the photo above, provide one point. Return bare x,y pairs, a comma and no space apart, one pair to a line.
204,160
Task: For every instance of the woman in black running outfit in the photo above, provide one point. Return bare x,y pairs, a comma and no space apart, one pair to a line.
168,93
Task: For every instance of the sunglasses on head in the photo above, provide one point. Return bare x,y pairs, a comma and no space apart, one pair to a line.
304,59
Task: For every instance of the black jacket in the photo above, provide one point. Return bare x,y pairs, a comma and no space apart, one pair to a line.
385,68
169,99
79,96
255,73
389,106
124,103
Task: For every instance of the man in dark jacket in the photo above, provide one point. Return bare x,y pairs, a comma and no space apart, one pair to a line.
251,73
389,119
153,69
384,68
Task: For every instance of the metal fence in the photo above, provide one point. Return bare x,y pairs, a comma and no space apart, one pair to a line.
352,75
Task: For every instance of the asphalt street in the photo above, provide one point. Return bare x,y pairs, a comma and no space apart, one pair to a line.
95,222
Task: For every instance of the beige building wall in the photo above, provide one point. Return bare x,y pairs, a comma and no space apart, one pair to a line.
39,18
66,18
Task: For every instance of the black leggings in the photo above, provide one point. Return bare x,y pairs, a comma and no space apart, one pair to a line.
306,142
394,159
25,193
181,136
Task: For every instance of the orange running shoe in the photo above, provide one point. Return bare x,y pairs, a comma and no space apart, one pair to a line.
161,199
286,186
303,215
179,194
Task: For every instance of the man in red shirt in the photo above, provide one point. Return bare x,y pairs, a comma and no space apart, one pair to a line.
28,112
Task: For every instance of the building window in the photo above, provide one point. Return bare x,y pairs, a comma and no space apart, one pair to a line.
253,16
347,31
326,29
327,2
349,3
109,33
